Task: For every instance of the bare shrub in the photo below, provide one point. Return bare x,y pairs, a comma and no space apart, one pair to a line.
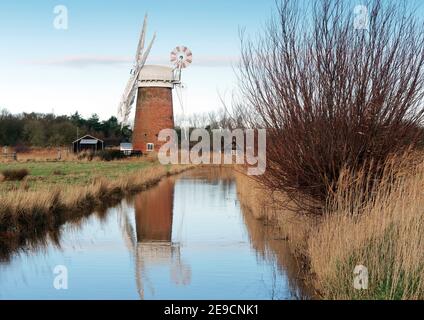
332,96
14,174
110,155
21,148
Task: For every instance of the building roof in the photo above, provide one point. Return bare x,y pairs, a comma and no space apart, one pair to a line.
87,139
156,76
126,146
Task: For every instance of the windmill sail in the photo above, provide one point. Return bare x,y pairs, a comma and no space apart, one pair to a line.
143,57
130,92
142,39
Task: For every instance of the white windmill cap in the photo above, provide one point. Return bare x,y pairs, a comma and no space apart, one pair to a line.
156,76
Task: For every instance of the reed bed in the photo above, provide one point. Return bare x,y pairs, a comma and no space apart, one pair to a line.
25,212
380,227
384,234
43,154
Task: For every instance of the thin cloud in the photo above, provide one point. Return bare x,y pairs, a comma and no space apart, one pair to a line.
92,61
81,61
202,61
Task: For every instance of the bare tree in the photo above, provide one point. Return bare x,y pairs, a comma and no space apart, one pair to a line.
333,94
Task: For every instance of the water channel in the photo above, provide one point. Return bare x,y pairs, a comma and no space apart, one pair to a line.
186,238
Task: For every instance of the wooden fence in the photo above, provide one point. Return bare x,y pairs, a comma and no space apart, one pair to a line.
12,156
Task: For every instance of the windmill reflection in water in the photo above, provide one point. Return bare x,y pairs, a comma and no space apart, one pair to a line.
151,241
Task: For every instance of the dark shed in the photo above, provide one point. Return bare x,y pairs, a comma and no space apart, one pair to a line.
87,143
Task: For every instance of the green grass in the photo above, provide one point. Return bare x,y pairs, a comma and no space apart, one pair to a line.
45,174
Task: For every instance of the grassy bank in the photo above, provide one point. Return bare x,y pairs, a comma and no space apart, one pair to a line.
385,234
52,200
45,174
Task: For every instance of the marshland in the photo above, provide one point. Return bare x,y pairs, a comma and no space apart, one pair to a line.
158,244
341,98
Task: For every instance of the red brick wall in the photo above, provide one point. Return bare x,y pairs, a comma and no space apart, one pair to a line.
153,212
154,112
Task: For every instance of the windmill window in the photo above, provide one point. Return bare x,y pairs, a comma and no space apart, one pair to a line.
150,147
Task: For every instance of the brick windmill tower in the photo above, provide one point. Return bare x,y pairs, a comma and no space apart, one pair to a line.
153,86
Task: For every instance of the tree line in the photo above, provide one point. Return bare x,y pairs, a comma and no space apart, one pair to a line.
49,130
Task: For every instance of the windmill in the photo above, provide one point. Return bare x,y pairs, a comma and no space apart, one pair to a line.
181,58
152,84
128,97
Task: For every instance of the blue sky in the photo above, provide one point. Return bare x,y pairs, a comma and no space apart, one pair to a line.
85,68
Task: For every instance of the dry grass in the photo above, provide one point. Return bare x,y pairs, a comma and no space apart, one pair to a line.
385,234
25,212
44,154
381,228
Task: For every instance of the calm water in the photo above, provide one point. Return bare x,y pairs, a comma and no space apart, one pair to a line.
186,238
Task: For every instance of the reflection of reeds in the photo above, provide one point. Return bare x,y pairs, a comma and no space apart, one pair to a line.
267,241
275,233
31,214
266,205
213,173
